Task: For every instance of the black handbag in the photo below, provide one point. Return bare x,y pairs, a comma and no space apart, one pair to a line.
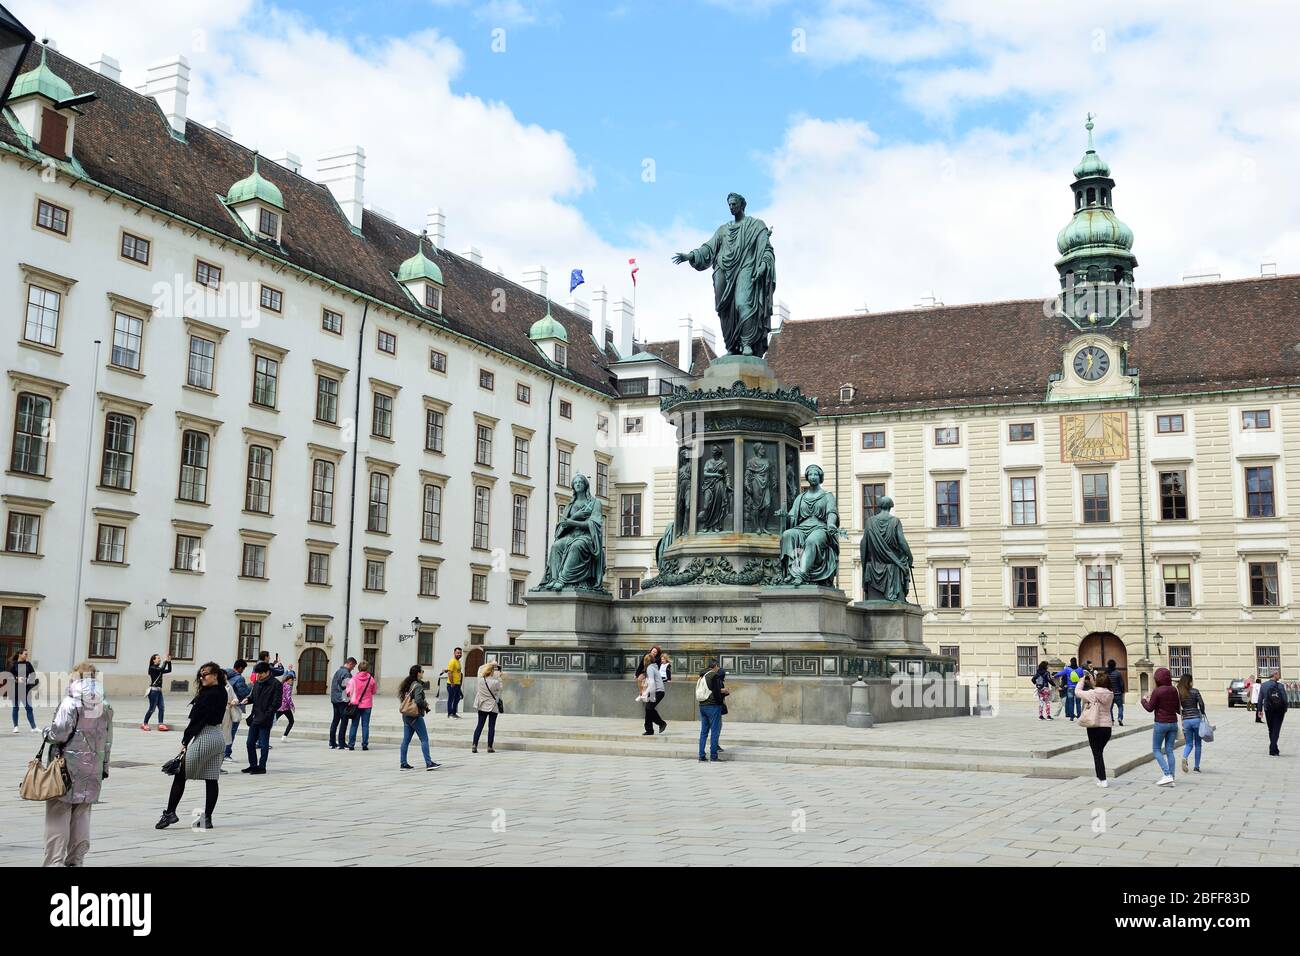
173,766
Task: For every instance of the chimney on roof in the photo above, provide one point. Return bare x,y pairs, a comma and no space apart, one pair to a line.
290,161
623,321
222,128
473,254
706,333
535,280
599,318
435,223
1267,270
343,173
109,67
685,342
781,316
578,308
168,82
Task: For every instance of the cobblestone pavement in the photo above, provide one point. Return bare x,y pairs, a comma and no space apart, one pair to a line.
321,807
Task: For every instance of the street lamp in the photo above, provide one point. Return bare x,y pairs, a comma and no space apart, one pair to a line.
163,607
416,624
1042,641
15,41
1158,638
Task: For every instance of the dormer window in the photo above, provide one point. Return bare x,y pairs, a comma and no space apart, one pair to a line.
258,204
433,298
268,224
846,393
561,355
421,277
45,107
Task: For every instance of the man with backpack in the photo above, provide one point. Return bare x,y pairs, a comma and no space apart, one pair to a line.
1069,679
1272,700
1116,680
711,694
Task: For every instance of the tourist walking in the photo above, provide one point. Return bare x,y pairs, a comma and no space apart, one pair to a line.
158,667
413,708
202,745
83,730
361,692
1164,702
286,703
1255,687
487,701
1095,695
235,678
1069,678
1116,680
266,702
1193,714
711,708
1274,703
455,673
338,700
654,693
24,683
1043,684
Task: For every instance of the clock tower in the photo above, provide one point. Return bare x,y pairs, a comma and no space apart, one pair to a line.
1097,262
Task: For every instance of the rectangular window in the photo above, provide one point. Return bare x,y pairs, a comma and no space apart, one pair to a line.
628,587
1259,492
127,333
103,633
315,633
1180,660
424,648
633,425
521,455
947,496
207,275
949,580
1263,584
517,586
431,517
377,515
630,515
374,575
118,464
482,501
1026,660
194,467
872,492
602,479
634,387
437,361
432,298
257,491
1096,499
519,526
381,416
202,364
1024,501
434,423
1169,424
947,436
23,533
1099,578
561,355
1178,585
386,342
266,377
566,409
478,587
189,553
1261,419
1020,431
523,393
564,470
327,399
428,582
268,223
1173,496
953,651
250,640
135,248
1024,580
32,427
808,443
254,560
1268,658
486,379
483,445
318,567
872,440
42,325
110,544
272,299
322,491
52,217
331,321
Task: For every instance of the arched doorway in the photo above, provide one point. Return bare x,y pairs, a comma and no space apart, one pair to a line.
1102,646
313,669
473,661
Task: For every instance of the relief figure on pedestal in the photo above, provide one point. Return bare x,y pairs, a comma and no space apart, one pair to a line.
577,557
810,546
886,556
791,476
682,511
716,494
762,487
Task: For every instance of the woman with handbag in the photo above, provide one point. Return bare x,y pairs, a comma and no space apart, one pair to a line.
203,746
1193,714
83,731
157,668
413,708
487,701
1094,690
361,695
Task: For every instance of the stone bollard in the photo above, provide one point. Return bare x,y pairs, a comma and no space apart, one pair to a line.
859,716
981,707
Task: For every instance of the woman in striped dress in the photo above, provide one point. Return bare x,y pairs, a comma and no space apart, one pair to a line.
203,745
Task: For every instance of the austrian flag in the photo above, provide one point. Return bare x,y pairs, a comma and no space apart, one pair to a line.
635,267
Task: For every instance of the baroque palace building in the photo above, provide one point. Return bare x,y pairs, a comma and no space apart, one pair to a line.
314,432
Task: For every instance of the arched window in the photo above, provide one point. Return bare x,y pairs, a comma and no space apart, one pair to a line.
1092,195
1078,199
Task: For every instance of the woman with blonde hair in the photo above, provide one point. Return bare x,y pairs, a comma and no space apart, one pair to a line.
83,730
487,701
1193,713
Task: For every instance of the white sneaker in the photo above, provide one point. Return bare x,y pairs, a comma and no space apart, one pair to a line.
1104,784
35,730
1165,781
15,728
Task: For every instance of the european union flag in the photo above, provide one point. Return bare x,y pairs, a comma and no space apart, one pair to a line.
575,279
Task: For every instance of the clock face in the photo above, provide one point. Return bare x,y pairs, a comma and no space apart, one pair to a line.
1091,363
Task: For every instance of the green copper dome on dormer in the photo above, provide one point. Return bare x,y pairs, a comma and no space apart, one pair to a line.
44,81
548,328
255,188
419,267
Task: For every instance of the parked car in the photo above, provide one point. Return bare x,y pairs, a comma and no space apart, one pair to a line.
1237,694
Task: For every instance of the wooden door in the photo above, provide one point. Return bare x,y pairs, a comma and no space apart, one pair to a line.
313,672
1101,647
13,632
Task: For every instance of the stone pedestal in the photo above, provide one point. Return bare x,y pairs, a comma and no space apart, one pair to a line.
804,618
569,618
888,627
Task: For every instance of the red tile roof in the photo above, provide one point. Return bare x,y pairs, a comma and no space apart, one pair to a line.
701,354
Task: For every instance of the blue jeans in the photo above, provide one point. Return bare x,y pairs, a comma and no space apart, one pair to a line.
1192,731
234,732
454,695
363,717
1072,706
1117,702
1162,739
710,728
31,717
415,726
258,737
155,700
339,725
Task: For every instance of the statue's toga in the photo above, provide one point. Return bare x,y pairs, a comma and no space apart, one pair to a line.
744,278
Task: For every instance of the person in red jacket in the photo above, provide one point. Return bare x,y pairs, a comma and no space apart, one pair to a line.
1166,704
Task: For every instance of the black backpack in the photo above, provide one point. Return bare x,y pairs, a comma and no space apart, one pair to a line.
1276,697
